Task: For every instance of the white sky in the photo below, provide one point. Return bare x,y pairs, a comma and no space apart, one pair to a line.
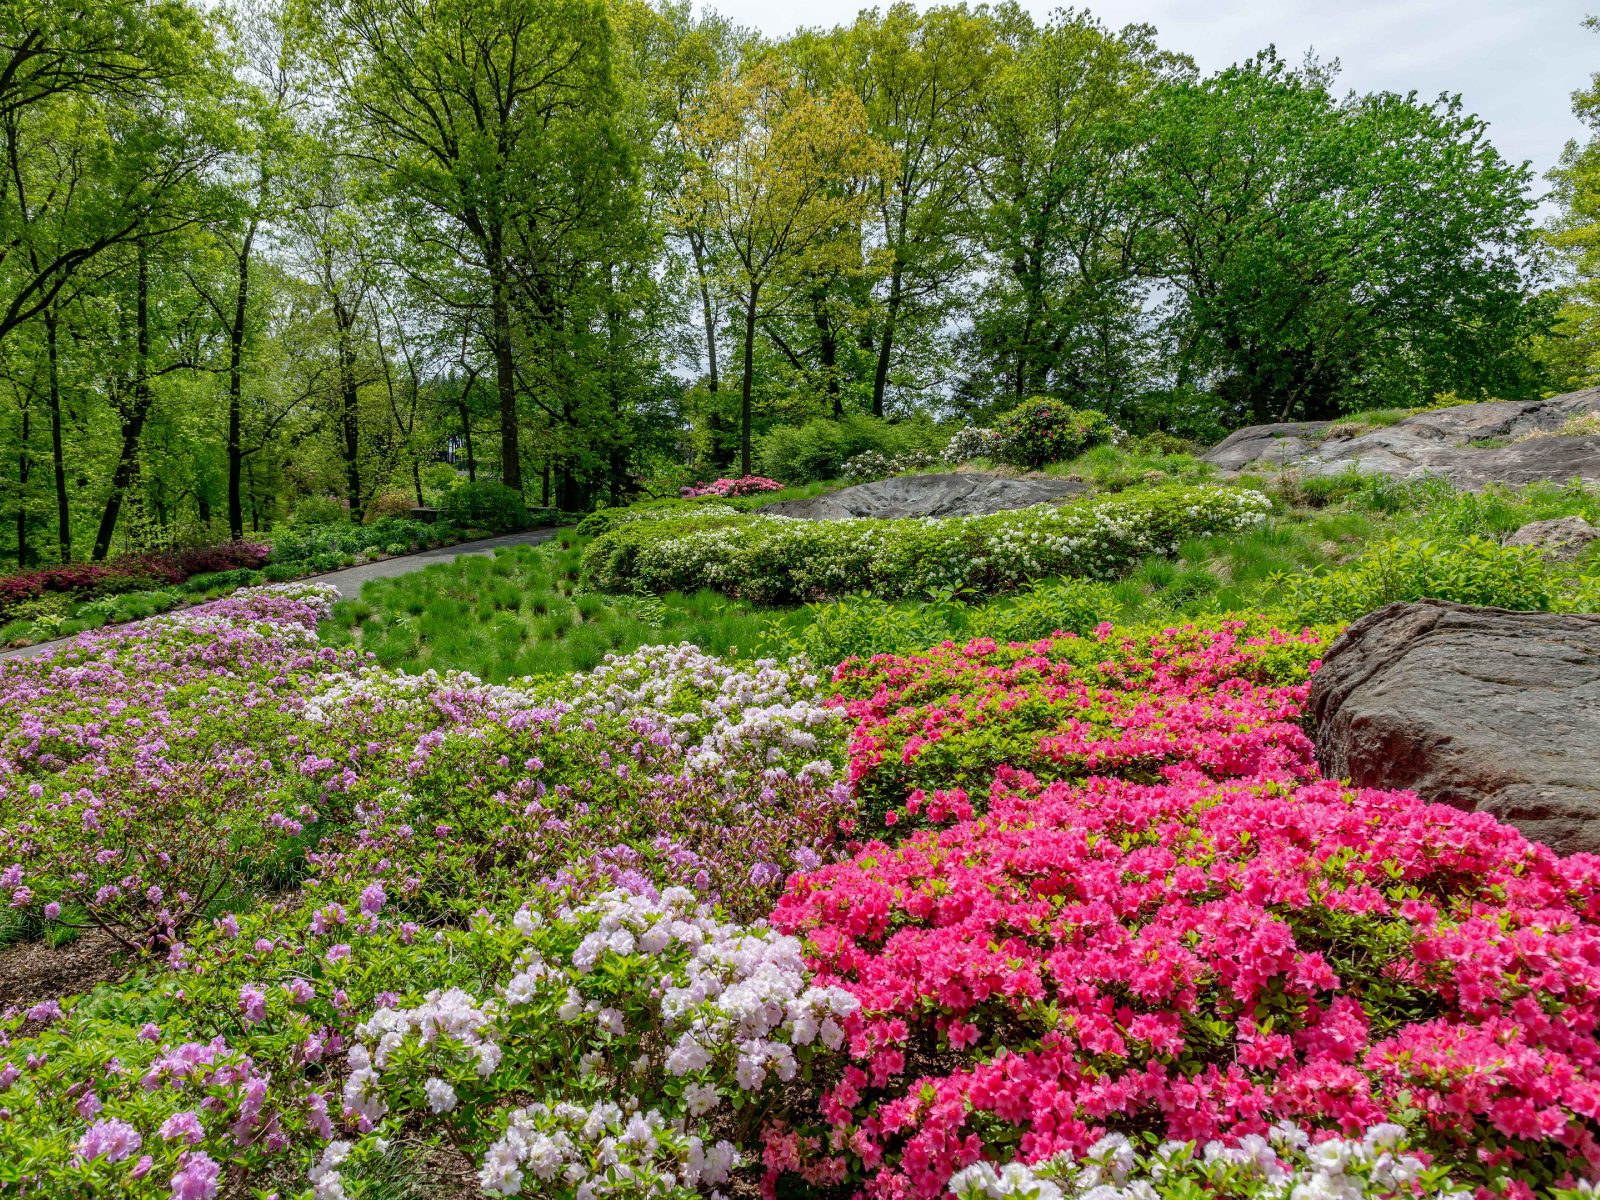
1514,62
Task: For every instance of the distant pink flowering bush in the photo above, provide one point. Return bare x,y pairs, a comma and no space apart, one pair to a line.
747,485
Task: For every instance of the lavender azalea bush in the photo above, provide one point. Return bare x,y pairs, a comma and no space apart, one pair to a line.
308,848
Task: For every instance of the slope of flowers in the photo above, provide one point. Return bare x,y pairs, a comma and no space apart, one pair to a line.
1215,943
771,558
153,776
1112,936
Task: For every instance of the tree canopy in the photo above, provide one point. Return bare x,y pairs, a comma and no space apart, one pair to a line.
290,254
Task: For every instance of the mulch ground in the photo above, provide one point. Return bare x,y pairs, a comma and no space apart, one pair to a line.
33,971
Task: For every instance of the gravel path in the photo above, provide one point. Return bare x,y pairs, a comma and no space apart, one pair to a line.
350,580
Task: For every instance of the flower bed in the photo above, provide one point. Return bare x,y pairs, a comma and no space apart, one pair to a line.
129,573
775,559
1110,930
1216,942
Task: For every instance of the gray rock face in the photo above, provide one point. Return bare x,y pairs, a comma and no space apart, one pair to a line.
1562,539
955,495
1432,443
1482,708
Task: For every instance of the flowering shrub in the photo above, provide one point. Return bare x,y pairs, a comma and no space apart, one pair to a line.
1042,430
226,746
776,558
626,996
1203,959
873,464
1221,702
747,485
1285,1162
970,442
129,573
128,796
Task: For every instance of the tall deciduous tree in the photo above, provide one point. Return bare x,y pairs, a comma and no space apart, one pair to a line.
777,180
474,113
1329,255
922,78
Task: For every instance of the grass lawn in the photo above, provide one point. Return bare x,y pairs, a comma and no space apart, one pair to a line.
522,613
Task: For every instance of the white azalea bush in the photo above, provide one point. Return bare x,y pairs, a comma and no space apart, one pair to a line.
636,1039
769,558
1287,1163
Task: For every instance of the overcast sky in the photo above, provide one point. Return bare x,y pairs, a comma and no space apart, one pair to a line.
1514,62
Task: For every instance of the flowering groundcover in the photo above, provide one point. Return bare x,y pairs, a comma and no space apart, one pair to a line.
1071,917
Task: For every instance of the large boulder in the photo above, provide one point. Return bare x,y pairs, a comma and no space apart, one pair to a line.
1472,445
952,495
1482,708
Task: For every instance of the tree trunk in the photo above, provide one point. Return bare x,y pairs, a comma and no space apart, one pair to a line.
880,375
749,371
697,246
828,349
24,469
133,416
349,408
58,457
236,388
504,377
466,435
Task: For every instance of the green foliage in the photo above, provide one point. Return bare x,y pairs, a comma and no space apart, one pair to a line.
785,560
485,505
319,510
818,449
1042,430
1472,570
318,543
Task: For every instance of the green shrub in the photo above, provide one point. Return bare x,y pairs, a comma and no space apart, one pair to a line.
387,504
1042,430
319,510
1473,570
860,626
773,559
1064,605
819,449
239,577
485,505
1159,443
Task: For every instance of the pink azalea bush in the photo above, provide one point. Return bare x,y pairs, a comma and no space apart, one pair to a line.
1183,934
940,723
745,485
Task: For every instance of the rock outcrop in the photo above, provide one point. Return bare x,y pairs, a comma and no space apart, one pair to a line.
1482,708
1472,445
950,495
1561,539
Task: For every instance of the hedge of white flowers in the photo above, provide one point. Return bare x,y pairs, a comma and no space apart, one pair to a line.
770,558
1378,1165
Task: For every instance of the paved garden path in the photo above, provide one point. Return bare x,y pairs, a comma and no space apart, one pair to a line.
350,580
